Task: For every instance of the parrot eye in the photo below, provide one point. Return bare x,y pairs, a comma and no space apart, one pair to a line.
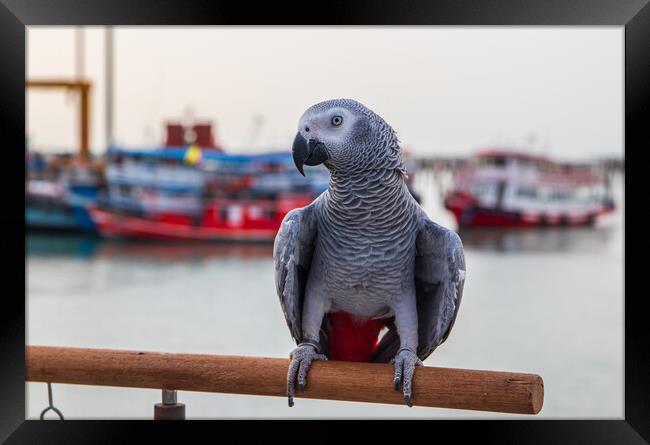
337,120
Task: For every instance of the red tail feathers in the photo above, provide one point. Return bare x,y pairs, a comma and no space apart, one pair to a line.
353,339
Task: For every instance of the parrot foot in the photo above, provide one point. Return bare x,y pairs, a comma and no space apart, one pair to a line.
405,362
301,359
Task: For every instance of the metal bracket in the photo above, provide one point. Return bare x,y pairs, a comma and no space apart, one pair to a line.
169,409
51,406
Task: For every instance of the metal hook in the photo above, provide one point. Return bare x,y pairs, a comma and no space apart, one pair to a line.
51,406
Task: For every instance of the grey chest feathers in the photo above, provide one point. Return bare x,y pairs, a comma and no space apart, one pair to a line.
365,254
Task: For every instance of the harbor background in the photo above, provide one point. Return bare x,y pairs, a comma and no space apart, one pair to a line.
546,301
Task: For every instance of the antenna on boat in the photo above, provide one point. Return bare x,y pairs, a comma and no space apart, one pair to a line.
258,123
187,121
531,141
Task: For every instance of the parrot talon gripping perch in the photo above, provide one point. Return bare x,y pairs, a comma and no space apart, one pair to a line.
301,359
405,362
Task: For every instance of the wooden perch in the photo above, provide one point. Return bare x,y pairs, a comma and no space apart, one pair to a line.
504,392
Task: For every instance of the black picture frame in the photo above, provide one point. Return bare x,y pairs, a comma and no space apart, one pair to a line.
634,15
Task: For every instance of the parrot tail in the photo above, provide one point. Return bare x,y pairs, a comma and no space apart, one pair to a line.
353,339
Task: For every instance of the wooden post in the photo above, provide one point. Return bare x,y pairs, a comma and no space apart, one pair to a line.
84,124
504,392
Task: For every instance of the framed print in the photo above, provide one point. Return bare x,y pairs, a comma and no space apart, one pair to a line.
264,213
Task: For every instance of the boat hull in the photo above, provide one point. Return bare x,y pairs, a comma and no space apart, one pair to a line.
55,219
114,225
487,217
73,219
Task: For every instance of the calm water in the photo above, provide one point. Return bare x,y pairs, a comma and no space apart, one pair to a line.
543,301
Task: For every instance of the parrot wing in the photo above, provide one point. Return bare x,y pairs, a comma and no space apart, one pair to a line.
292,252
439,278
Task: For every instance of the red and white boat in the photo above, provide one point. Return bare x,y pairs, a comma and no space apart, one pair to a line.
221,220
501,188
189,189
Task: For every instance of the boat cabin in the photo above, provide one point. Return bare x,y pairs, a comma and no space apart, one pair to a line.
525,186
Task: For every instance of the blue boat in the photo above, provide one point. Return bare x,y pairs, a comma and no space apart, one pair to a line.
182,178
52,205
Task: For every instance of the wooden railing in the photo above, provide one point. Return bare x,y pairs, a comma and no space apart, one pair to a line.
504,392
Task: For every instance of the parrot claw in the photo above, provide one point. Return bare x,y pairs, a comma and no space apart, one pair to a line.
405,362
301,359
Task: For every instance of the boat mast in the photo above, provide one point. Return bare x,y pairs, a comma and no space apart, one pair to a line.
80,85
80,52
108,64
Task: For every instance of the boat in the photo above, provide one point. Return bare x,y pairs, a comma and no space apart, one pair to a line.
221,220
46,207
196,192
58,192
510,188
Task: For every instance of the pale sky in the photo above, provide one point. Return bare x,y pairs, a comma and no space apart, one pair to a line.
445,90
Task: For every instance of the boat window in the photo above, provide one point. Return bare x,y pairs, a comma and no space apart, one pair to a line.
479,189
561,195
498,161
527,192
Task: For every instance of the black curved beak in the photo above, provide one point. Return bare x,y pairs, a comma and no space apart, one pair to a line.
311,152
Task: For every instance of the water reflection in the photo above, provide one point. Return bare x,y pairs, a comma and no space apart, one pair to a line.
583,239
87,247
61,244
587,239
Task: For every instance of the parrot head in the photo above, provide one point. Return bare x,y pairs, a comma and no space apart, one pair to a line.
346,137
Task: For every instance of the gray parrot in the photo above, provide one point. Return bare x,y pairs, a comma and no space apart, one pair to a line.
362,273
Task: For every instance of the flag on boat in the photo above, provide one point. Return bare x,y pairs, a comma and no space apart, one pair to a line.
193,154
